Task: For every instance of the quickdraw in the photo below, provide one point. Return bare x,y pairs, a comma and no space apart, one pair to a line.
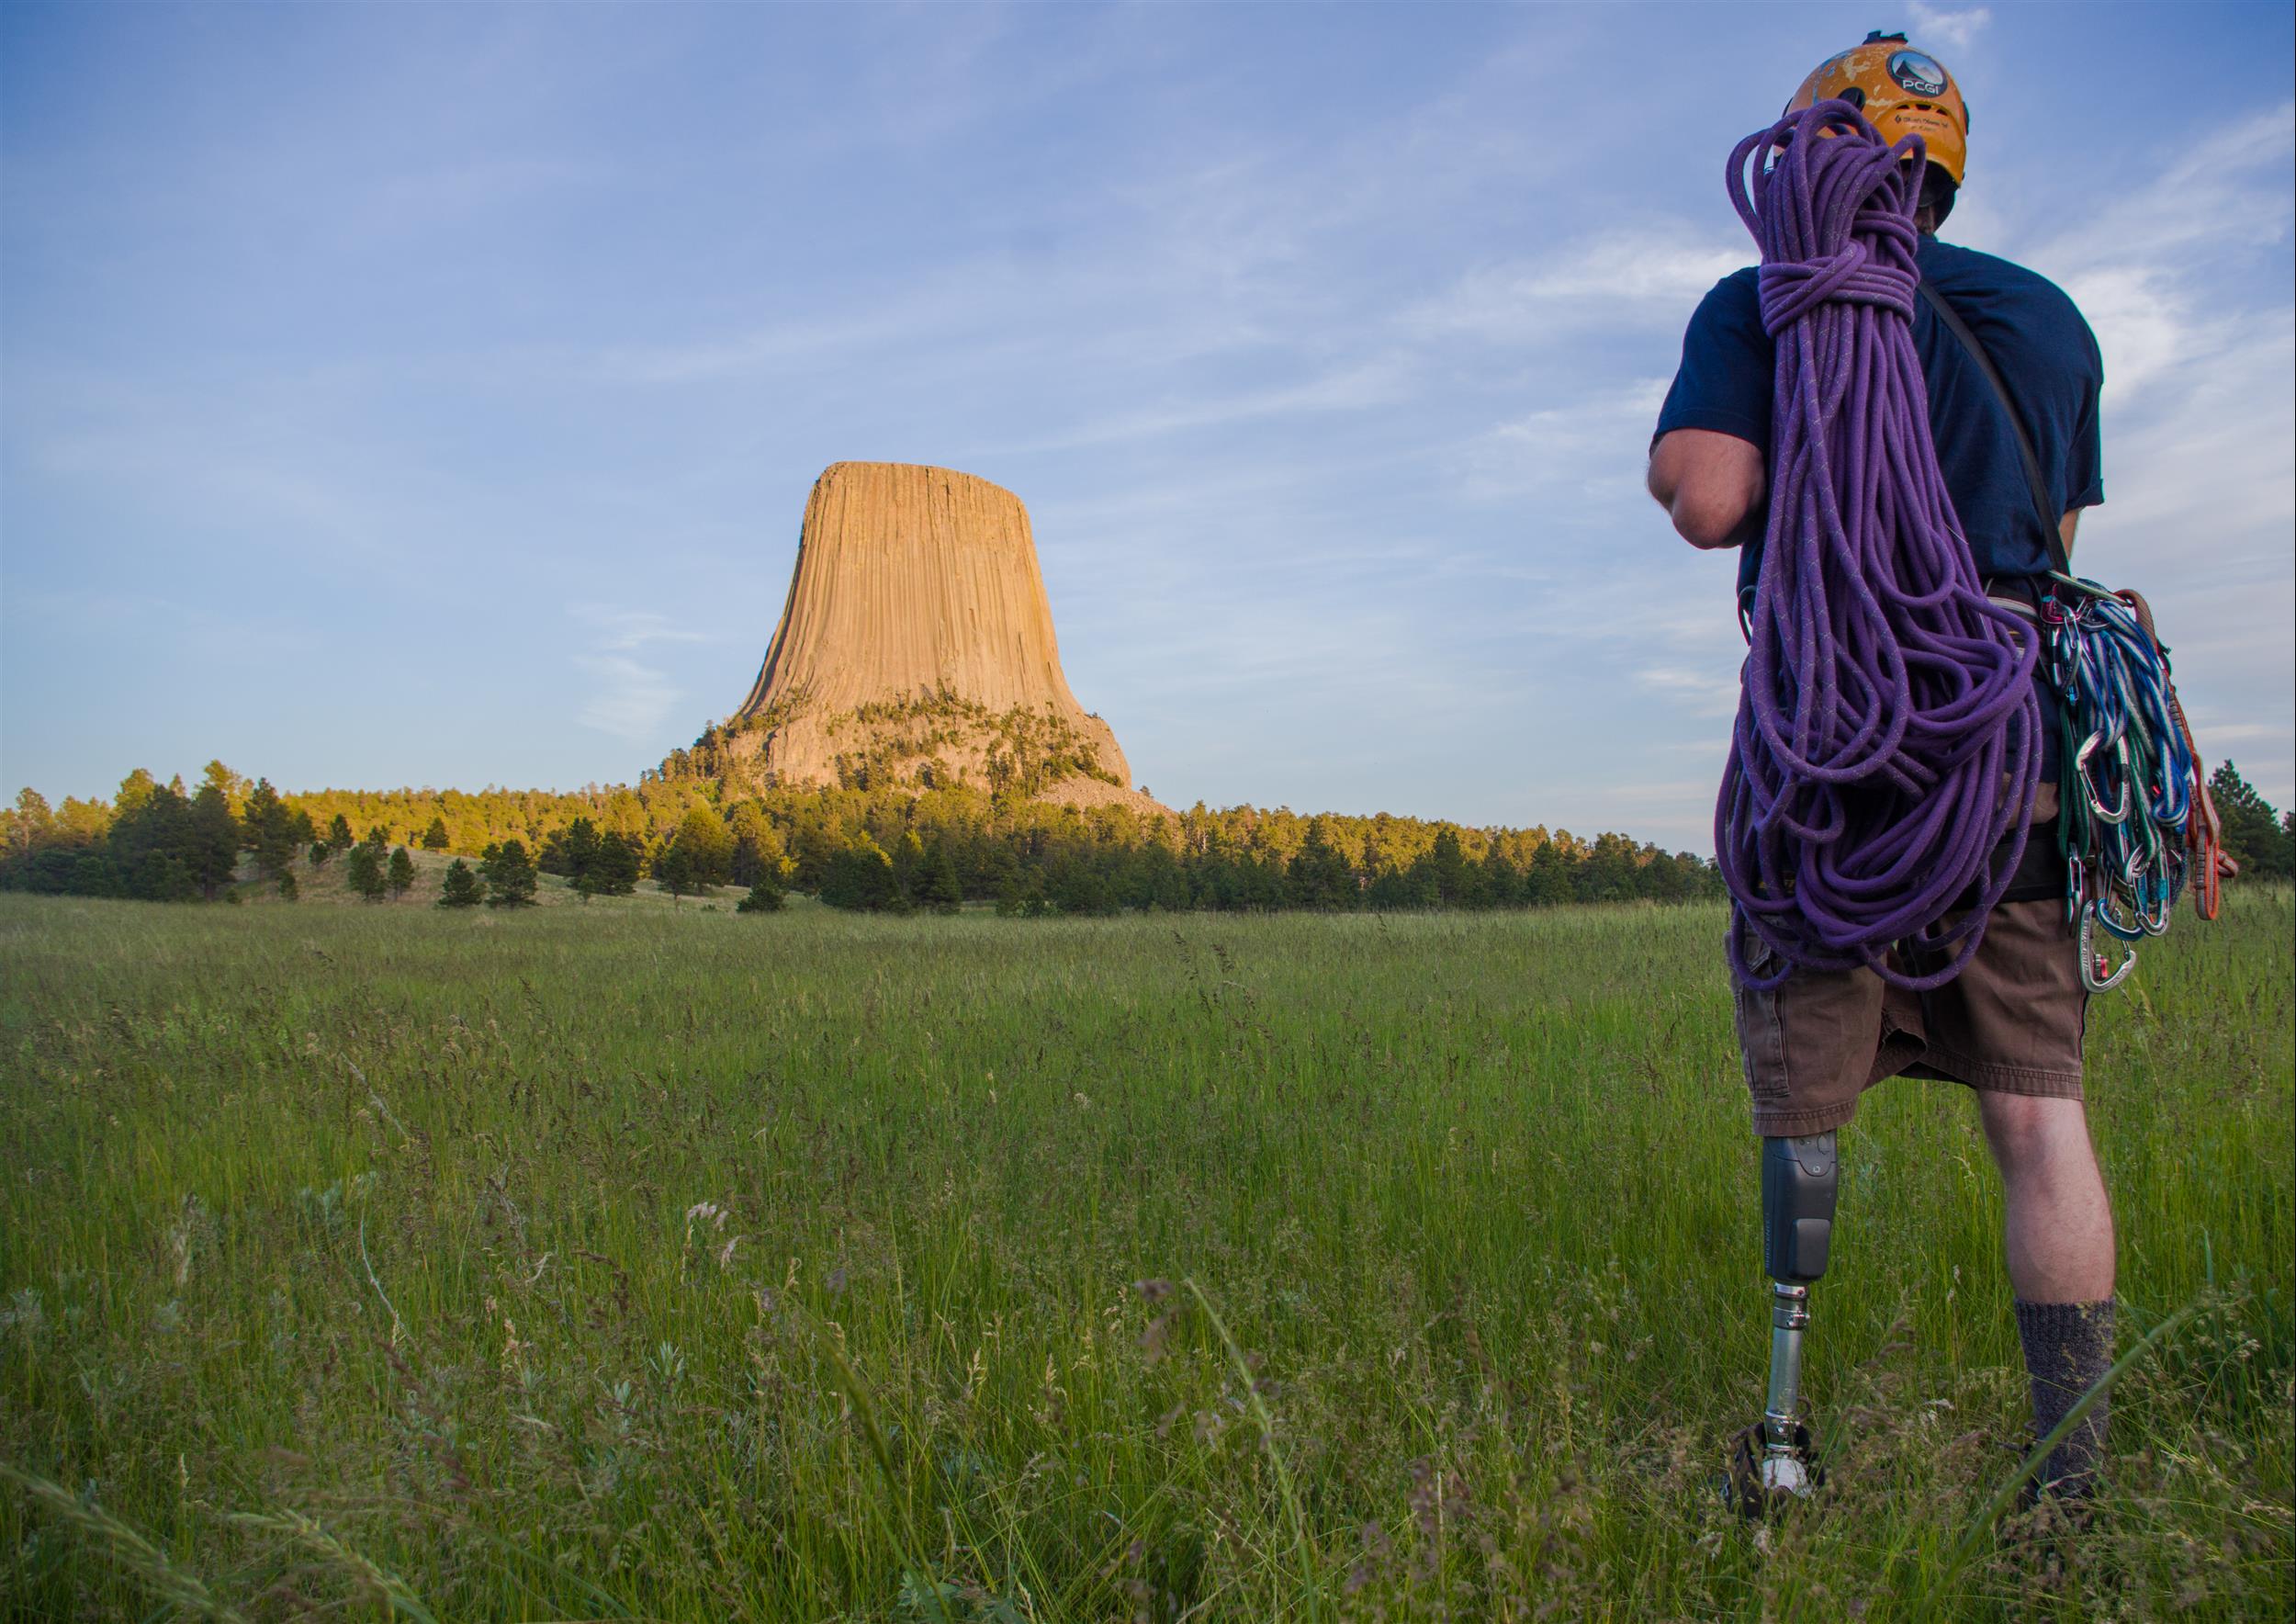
2137,821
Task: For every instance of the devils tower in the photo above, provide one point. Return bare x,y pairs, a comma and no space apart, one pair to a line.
915,650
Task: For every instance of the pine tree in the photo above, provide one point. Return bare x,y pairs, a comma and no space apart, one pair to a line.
269,828
147,845
400,875
765,896
938,886
321,852
709,849
1444,868
365,873
1319,876
758,848
673,871
162,877
135,790
460,888
339,833
230,785
2252,829
288,890
861,878
262,803
619,861
908,862
434,837
576,848
213,848
32,825
510,875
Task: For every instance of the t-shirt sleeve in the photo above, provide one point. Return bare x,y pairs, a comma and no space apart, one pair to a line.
2084,472
1728,369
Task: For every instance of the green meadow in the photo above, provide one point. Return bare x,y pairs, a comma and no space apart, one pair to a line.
627,1261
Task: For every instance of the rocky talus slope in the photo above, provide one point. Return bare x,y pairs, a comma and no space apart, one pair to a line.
917,648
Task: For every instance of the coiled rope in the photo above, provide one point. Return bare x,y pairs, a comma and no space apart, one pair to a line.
1887,742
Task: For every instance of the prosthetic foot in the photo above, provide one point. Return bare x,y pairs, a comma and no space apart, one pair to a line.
1772,1463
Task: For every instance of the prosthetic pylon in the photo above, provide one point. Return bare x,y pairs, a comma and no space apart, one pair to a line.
1799,1179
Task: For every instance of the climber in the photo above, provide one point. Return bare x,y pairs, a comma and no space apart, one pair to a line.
2010,1025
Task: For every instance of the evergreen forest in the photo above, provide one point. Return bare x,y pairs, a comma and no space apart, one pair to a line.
889,849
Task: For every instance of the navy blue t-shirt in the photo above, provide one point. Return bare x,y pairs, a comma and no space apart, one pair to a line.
2037,339
2043,349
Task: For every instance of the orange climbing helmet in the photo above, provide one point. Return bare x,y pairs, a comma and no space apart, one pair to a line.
1901,91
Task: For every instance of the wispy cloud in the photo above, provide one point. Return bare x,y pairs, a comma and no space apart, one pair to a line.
1648,275
1938,24
630,701
629,698
1697,692
1349,388
1593,447
2146,266
619,629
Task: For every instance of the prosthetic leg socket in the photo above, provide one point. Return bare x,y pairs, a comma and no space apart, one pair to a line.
1799,1182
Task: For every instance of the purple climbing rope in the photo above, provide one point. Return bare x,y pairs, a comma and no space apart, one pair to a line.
1889,731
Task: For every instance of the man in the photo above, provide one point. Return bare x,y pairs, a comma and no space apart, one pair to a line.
2011,1026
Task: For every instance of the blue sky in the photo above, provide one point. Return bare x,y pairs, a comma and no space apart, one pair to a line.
428,394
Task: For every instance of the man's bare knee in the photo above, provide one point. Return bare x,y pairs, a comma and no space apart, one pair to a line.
2027,1133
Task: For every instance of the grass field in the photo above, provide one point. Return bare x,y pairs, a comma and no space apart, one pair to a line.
636,1262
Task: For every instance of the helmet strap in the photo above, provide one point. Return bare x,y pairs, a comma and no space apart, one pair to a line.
1938,192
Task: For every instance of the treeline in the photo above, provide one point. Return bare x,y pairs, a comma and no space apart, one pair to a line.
880,849
154,841
158,842
893,852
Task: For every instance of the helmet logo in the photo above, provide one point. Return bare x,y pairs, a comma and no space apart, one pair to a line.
1916,75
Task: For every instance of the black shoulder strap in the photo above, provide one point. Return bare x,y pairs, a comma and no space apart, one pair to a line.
2034,482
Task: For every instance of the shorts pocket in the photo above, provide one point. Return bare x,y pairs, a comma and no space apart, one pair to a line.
1762,1027
1751,948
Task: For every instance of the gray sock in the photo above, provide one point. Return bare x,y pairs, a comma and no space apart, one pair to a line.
2068,1348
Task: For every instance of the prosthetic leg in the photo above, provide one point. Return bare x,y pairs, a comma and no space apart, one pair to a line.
1799,1178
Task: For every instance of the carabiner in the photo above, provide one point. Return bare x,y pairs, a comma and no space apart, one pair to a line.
2092,961
2103,913
2097,808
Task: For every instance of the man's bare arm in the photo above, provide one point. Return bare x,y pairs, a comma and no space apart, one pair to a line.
1707,482
2065,527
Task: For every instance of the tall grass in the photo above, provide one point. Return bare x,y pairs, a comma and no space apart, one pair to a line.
623,1262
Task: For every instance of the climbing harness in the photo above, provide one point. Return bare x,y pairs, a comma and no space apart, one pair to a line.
1887,742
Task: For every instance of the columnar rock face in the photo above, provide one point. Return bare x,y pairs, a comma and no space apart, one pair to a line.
917,648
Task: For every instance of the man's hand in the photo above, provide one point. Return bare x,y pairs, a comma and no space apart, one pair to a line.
1707,482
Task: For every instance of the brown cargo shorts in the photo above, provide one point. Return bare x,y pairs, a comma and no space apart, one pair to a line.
2012,1022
